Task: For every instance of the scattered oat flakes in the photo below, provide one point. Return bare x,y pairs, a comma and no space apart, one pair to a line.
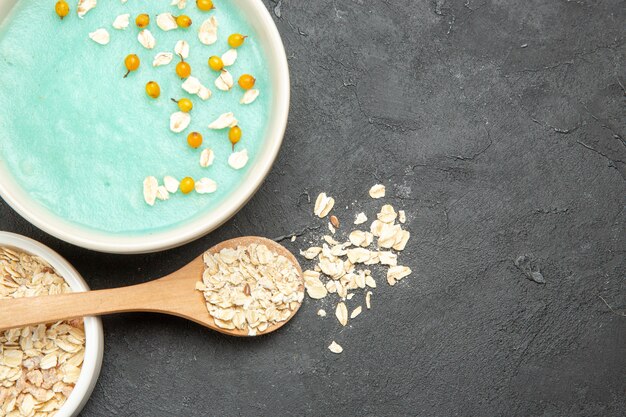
402,216
100,36
122,21
207,33
370,282
84,6
323,205
342,313
182,49
321,312
249,288
335,348
166,22
377,191
223,121
368,299
162,58
360,218
238,160
249,96
179,121
360,238
150,189
356,312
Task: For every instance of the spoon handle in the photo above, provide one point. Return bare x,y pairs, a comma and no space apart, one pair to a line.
154,296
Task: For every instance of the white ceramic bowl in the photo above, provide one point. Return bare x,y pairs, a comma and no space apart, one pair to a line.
94,338
269,39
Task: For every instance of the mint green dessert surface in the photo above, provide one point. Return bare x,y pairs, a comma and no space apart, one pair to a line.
80,138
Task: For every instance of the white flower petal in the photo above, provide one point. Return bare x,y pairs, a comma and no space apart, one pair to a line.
225,81
191,85
249,96
150,187
171,184
181,4
206,157
166,21
179,121
238,160
162,58
146,39
100,36
204,93
205,186
207,33
225,120
84,6
122,21
182,49
229,57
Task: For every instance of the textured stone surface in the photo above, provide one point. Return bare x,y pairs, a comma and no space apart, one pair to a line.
494,149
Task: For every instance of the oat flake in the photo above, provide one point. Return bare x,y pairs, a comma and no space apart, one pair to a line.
249,96
150,188
171,184
205,186
179,121
223,121
360,218
146,39
238,160
166,22
229,57
84,6
335,347
162,58
323,205
342,313
377,191
206,157
207,33
225,81
100,36
182,49
122,21
356,312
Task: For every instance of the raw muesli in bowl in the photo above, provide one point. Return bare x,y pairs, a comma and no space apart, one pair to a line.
49,369
138,126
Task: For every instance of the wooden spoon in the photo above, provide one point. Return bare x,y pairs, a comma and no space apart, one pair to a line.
174,294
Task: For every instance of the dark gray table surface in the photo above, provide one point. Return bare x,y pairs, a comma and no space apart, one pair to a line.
499,127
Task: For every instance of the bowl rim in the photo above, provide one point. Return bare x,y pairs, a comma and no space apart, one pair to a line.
203,223
94,335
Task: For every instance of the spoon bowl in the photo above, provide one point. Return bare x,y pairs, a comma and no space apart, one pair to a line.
173,294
